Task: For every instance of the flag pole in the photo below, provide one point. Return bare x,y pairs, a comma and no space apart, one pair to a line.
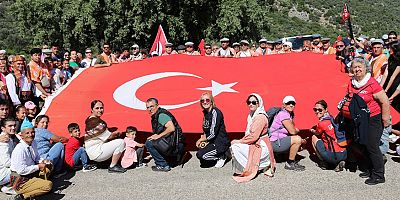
350,26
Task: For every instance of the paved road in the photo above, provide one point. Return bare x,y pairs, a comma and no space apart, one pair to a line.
193,182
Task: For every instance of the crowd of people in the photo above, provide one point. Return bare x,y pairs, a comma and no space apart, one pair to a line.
31,155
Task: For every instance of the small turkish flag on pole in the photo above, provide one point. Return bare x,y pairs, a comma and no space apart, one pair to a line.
345,13
159,42
201,48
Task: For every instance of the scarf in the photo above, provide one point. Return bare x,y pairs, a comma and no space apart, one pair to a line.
359,84
260,110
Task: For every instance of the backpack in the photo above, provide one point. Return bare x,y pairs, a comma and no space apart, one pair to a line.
271,113
340,139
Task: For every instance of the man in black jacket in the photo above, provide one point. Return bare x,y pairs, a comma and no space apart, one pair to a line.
167,138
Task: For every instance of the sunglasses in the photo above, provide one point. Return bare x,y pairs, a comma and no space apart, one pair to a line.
318,109
252,102
205,101
106,47
340,45
392,37
290,103
208,47
88,52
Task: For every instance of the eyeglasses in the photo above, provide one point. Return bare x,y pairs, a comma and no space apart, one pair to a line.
252,102
290,103
318,109
205,101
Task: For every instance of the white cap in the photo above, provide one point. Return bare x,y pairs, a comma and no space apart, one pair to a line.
288,99
154,53
263,40
189,44
244,42
385,37
288,43
135,46
2,51
224,40
377,41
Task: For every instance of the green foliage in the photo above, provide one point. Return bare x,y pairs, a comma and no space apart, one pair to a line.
77,24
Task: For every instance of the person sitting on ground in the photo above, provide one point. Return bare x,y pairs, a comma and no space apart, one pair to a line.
6,147
30,110
53,151
26,164
283,134
324,139
245,51
214,143
20,114
164,125
254,151
133,150
75,154
100,143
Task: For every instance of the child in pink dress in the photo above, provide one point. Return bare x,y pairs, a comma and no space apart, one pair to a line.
133,150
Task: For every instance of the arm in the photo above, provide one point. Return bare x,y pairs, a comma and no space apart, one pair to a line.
56,138
12,90
384,76
169,128
102,65
4,156
289,126
397,92
385,106
394,75
40,88
215,125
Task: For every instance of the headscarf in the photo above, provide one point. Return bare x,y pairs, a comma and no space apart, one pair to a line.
260,110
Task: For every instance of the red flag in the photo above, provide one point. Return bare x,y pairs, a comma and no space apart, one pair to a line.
159,42
345,13
201,48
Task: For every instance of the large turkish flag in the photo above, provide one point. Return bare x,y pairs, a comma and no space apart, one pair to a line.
178,80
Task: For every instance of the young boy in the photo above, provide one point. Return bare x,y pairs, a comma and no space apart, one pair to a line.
74,152
133,150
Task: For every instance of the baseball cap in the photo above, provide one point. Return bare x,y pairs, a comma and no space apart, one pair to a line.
135,46
288,44
168,44
288,99
244,42
385,37
263,40
235,44
30,105
376,41
2,51
224,40
189,44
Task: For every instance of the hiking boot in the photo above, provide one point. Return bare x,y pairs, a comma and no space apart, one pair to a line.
89,168
374,181
116,169
19,197
340,166
220,162
365,174
161,169
294,166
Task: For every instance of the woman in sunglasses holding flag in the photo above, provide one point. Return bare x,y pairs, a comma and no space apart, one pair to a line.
214,143
283,134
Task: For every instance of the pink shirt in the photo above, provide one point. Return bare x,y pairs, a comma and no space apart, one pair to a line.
129,156
277,128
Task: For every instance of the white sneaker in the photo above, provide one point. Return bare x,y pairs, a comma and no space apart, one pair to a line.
8,190
141,165
221,162
393,138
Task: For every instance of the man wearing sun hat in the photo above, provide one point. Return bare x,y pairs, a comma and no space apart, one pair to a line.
190,49
169,50
225,51
263,50
26,166
245,50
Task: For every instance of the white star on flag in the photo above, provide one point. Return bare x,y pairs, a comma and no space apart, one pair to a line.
217,88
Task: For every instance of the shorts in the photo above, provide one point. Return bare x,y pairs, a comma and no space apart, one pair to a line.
282,145
329,156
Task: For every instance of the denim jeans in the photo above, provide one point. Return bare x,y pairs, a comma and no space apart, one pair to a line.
56,156
384,143
80,156
158,158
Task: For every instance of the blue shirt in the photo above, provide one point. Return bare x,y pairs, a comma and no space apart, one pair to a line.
42,138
